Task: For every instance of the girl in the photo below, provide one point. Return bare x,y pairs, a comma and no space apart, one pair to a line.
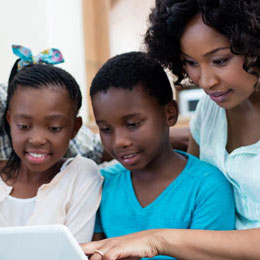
216,44
37,185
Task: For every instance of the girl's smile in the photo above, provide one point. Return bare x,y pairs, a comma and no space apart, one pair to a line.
36,157
42,122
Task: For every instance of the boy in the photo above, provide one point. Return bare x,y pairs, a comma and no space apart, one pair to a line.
154,186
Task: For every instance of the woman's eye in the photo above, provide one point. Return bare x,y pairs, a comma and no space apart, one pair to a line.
221,62
55,129
189,62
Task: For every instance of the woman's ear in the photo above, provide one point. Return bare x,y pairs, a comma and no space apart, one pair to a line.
77,126
172,112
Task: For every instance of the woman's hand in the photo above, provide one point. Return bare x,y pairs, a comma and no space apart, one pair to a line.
133,246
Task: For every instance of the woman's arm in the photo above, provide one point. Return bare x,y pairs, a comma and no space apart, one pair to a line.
179,137
181,244
193,147
98,236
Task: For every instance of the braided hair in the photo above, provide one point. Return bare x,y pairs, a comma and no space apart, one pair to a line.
36,76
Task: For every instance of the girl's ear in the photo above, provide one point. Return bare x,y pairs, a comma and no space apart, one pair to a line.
172,112
77,126
7,116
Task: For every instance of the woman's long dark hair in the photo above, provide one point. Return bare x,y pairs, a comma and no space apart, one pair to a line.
238,20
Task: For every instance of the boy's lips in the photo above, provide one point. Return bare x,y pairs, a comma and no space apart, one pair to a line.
127,158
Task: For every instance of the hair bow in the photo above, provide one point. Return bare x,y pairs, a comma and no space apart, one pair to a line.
49,56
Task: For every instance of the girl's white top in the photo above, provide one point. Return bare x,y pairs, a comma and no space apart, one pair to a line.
71,198
13,207
241,166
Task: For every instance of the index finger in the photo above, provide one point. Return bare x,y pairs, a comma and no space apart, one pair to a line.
90,247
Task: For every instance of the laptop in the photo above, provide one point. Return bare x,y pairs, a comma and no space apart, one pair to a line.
50,242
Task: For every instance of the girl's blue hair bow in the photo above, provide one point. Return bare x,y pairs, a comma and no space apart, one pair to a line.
49,56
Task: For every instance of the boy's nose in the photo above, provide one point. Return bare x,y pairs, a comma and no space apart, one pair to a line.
121,139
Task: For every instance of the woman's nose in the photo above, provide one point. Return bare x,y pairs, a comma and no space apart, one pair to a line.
208,79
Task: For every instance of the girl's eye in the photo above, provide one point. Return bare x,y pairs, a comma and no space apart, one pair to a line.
220,62
105,129
189,62
134,124
55,129
23,126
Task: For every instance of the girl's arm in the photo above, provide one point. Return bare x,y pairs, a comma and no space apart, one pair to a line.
182,244
85,200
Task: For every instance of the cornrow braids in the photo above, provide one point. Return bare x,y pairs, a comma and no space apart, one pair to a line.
36,76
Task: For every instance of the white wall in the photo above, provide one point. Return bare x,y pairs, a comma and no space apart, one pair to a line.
43,24
128,24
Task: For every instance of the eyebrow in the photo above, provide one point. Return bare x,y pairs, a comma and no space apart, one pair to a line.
124,117
51,117
210,52
21,116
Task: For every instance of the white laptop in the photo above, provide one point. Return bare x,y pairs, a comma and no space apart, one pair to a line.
52,242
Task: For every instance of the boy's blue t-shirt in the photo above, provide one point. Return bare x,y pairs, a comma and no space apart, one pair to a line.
199,198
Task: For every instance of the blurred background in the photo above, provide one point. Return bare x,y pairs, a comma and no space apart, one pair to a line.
88,32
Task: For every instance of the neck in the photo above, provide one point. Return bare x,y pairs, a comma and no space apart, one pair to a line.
252,104
166,165
39,177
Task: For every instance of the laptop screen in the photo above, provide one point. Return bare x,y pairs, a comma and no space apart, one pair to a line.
52,242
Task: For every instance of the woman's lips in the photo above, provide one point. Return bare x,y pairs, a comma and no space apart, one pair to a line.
220,97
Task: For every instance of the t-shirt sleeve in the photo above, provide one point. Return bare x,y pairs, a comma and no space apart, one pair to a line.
98,225
214,208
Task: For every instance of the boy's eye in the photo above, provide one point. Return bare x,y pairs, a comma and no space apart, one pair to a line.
134,124
23,126
55,129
